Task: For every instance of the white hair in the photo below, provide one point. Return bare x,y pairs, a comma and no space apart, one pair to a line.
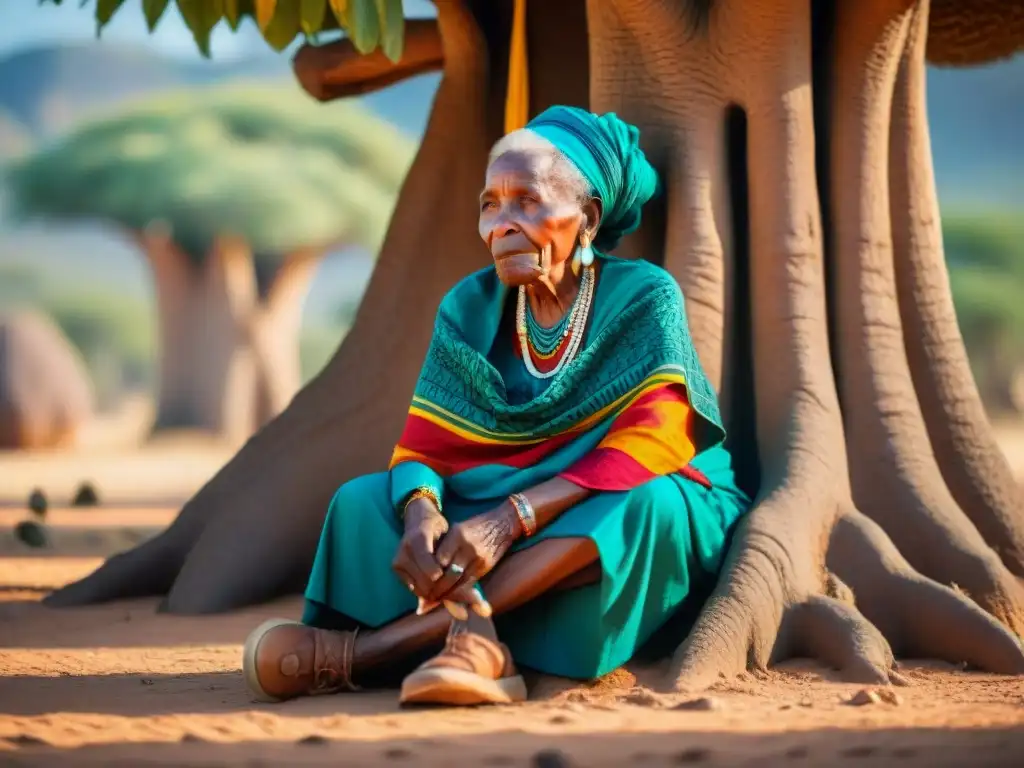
560,169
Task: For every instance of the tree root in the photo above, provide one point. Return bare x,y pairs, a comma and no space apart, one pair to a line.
920,618
868,609
145,571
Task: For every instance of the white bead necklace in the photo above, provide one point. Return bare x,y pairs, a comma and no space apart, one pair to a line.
577,324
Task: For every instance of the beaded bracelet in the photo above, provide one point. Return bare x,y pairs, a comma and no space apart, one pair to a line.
423,492
524,510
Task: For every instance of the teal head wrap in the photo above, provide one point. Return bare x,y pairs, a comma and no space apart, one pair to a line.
606,151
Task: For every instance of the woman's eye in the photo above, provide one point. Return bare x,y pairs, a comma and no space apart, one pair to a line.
527,201
487,206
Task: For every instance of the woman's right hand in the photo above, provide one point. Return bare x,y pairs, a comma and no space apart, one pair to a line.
415,563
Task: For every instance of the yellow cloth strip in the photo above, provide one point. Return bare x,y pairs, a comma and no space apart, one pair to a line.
450,421
517,97
662,444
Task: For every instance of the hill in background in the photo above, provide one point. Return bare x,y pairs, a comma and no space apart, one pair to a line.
49,89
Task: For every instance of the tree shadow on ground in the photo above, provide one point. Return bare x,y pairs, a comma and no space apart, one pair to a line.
894,748
143,694
29,624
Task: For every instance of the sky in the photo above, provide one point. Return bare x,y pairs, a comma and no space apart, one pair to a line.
26,23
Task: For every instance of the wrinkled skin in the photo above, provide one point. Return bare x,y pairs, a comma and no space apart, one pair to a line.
886,521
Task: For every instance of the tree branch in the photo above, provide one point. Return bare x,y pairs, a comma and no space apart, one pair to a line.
337,70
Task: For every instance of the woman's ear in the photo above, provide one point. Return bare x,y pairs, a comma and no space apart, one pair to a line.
592,216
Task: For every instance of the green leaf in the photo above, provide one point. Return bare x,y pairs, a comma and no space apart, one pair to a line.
364,26
201,16
105,10
392,28
311,15
265,12
233,13
153,10
285,25
340,8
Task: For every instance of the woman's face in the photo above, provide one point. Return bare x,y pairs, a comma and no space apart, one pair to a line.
529,220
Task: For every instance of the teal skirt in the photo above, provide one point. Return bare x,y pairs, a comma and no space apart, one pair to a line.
656,542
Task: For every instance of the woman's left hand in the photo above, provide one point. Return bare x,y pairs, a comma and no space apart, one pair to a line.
471,549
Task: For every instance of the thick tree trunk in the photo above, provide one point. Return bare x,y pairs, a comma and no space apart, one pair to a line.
971,462
229,358
206,374
808,573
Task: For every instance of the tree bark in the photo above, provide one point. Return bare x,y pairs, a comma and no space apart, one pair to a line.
229,358
971,462
855,549
207,375
895,476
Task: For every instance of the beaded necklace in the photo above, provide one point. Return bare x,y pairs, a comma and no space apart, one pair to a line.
568,333
543,340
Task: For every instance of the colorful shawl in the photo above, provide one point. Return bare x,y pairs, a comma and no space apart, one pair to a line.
634,403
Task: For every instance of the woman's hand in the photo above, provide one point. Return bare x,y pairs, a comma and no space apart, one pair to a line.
415,563
471,549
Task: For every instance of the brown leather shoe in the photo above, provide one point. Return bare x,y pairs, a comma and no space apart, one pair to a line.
284,659
470,670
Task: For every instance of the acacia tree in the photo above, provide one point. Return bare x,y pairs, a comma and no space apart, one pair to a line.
801,220
233,196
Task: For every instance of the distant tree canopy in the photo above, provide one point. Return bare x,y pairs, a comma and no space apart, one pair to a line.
270,165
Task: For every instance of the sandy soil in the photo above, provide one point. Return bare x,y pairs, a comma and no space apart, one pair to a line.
124,685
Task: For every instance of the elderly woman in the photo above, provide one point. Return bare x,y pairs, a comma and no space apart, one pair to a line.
561,467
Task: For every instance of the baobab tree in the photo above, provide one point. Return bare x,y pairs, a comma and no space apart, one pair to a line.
800,218
233,196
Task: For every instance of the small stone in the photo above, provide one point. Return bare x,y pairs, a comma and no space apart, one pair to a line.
85,496
862,697
190,738
146,681
694,755
890,696
31,533
397,753
703,704
642,697
560,720
25,740
551,758
313,740
37,503
806,703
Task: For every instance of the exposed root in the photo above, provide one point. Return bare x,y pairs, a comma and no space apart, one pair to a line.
838,634
918,616
145,571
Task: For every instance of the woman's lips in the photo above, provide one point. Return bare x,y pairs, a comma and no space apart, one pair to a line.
519,261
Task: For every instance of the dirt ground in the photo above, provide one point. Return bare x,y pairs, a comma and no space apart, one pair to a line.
124,685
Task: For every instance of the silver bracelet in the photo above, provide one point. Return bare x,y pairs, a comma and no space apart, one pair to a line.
524,510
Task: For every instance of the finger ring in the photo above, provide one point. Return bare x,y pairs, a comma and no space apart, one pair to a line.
457,569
